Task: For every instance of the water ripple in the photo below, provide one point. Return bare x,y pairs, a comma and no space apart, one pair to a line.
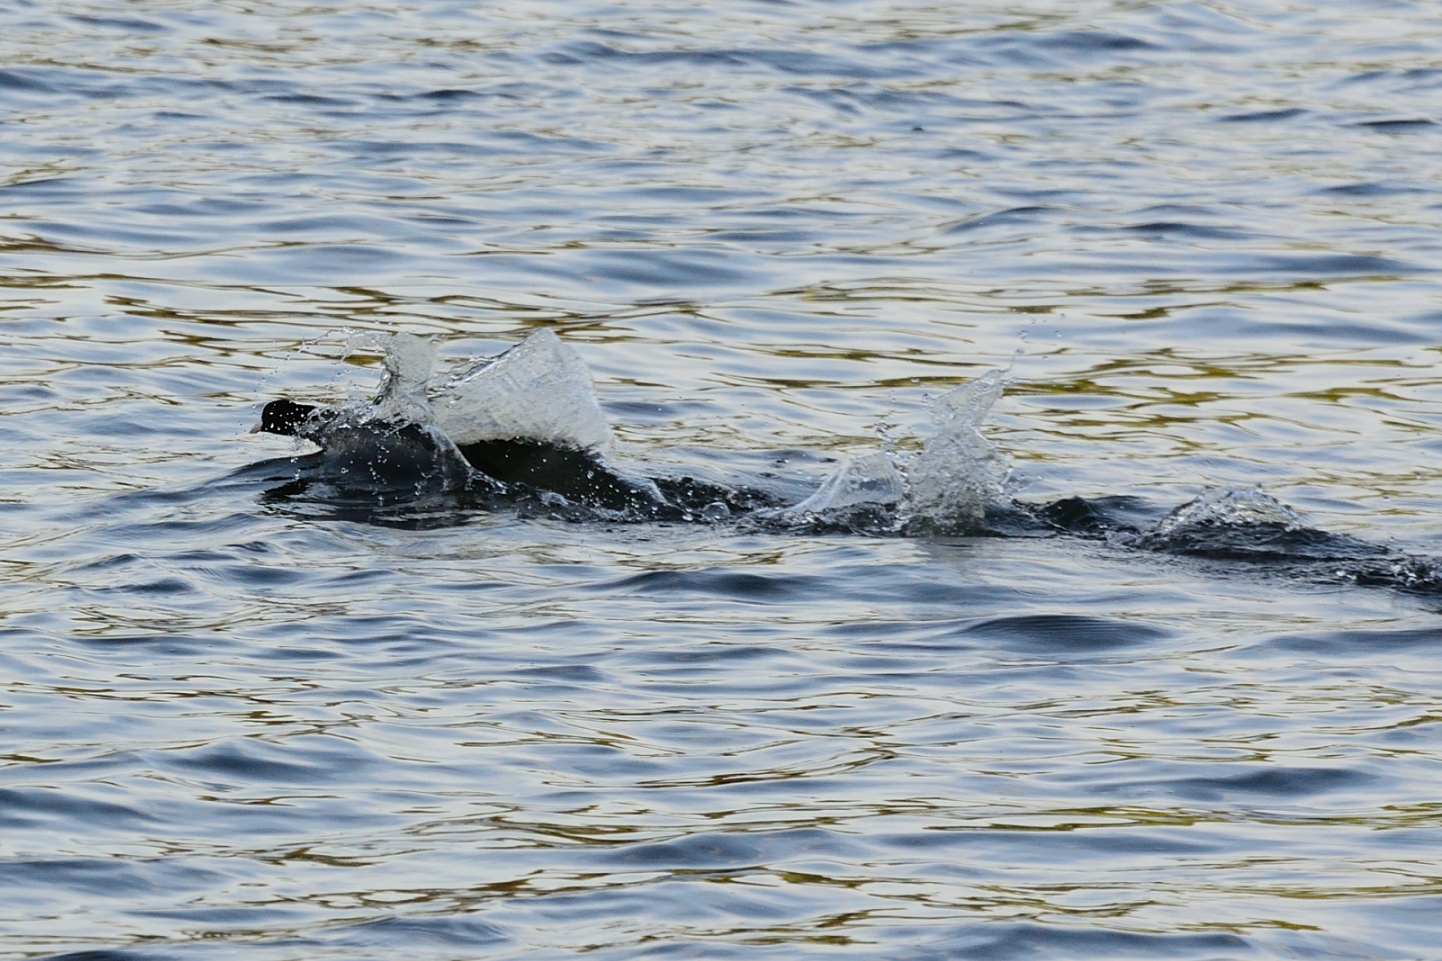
1201,240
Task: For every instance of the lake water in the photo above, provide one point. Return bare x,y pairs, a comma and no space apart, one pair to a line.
1201,239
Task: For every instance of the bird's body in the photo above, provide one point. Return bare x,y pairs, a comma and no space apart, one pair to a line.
369,453
391,450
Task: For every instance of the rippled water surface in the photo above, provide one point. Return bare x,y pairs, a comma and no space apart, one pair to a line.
1201,238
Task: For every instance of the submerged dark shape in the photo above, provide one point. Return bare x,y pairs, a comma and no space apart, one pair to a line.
1242,528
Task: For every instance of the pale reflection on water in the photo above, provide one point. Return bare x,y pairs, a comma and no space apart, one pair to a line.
1201,239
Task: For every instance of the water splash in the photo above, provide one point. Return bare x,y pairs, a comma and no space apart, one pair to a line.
1239,523
946,488
959,472
865,494
409,361
1230,507
539,390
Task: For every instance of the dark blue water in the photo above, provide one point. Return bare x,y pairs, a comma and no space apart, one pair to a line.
1203,240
